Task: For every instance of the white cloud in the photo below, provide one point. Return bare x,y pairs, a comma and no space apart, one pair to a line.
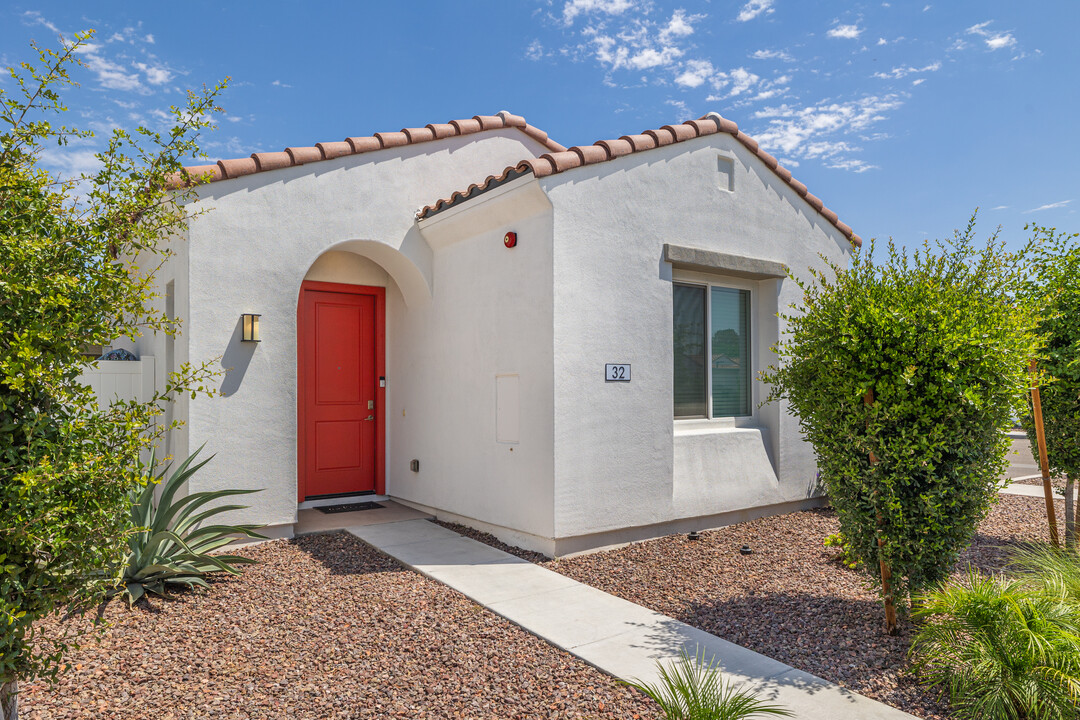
639,45
994,40
927,7
1000,207
847,32
754,8
278,83
535,51
679,26
1049,206
149,39
650,58
772,55
741,80
882,41
898,72
581,7
695,73
680,106
810,133
917,82
155,74
109,74
33,17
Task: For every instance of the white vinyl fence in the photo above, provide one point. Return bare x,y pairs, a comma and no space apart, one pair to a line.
121,379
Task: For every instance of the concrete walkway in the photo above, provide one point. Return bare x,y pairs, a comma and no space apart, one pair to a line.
612,634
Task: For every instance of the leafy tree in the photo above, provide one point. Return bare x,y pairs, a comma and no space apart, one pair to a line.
69,254
904,376
1053,290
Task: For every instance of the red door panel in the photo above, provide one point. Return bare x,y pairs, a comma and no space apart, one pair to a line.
340,348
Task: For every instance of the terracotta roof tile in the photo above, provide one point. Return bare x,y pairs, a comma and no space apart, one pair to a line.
268,161
364,144
489,122
640,142
262,162
331,150
590,154
663,136
604,150
616,148
442,130
466,127
392,139
416,135
238,167
302,155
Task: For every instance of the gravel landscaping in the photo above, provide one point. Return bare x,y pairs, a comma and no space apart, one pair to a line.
789,599
323,627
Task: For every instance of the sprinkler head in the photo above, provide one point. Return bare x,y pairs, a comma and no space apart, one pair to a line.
693,535
745,550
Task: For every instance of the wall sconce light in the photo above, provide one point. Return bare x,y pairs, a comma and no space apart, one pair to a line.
250,327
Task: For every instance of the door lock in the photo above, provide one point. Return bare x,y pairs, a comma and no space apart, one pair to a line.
370,404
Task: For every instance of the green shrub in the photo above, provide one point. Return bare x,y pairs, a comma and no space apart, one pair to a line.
693,689
1000,648
843,555
1053,290
170,546
920,362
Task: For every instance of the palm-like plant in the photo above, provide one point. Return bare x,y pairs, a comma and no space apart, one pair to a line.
693,689
1001,648
169,544
1056,570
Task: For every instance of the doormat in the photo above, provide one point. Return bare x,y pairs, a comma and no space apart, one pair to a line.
348,507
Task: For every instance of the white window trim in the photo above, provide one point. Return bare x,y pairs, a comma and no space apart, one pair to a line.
685,425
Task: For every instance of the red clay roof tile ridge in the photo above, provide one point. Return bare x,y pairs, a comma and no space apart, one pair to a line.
293,156
577,156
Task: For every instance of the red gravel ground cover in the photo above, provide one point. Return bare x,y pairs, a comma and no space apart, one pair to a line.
789,599
323,627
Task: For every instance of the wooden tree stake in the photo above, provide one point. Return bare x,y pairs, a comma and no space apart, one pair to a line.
886,573
1044,463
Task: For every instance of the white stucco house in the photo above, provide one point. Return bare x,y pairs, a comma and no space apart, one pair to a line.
564,354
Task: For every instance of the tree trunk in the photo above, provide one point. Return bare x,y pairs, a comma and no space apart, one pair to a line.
1070,516
9,700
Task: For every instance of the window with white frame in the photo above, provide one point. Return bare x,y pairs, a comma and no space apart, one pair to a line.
712,351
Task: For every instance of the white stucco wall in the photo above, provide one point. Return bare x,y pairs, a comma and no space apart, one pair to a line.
250,253
489,322
621,461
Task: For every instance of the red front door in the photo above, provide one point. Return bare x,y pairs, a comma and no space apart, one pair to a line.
340,405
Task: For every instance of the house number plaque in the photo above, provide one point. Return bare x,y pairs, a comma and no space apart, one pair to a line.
616,372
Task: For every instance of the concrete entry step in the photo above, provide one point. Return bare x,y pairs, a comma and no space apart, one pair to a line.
614,635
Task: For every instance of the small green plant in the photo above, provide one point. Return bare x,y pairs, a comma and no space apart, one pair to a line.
693,689
1000,648
170,546
844,554
1055,570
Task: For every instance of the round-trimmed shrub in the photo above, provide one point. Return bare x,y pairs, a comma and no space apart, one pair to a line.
919,362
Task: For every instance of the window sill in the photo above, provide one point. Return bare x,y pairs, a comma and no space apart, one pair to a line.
719,425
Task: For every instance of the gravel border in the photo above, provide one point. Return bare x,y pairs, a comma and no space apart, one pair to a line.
789,599
323,627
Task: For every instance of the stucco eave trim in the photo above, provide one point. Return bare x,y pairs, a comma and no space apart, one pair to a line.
689,258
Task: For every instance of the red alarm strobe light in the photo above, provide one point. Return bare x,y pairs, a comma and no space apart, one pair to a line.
510,239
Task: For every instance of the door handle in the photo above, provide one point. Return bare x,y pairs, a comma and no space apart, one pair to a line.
370,417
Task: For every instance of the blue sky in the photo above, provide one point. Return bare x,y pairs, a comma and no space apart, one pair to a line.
902,116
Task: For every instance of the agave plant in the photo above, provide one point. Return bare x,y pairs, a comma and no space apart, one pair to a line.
1001,648
170,545
693,689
